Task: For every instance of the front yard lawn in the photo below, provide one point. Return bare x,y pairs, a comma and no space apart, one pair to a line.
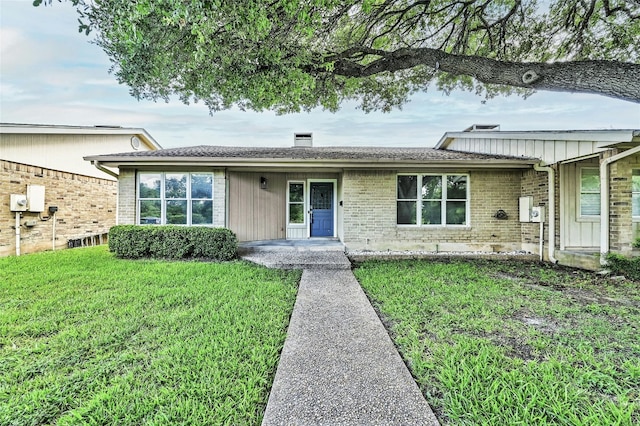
504,343
86,338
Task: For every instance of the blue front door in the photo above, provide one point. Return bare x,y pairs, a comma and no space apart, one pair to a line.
321,205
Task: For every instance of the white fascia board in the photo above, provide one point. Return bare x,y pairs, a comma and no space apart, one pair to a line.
314,164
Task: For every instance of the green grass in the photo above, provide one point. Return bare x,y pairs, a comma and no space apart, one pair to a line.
89,339
512,343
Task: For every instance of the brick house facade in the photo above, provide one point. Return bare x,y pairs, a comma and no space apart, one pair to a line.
462,195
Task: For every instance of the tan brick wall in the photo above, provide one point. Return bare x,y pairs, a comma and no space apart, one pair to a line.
127,197
86,206
620,213
370,215
127,208
536,184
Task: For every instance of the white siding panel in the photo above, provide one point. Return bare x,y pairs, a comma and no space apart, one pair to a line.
550,151
296,233
63,152
577,233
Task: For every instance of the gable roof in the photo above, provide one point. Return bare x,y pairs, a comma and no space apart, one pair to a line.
549,146
58,129
606,137
349,157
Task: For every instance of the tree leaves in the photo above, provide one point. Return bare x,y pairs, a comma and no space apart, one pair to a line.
292,55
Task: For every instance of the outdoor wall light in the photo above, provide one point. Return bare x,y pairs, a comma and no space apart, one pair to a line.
264,183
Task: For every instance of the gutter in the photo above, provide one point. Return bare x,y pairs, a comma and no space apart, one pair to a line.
104,169
551,173
604,200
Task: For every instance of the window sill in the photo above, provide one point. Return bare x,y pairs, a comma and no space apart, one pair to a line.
460,227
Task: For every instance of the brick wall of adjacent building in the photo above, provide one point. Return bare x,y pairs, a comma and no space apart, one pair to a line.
86,207
127,206
536,184
620,208
370,215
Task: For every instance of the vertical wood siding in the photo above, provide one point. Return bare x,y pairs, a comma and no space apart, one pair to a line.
254,213
551,151
63,152
577,233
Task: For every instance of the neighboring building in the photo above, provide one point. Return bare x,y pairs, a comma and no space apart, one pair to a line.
593,178
477,190
42,170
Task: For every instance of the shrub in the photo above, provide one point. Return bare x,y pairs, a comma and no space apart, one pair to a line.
172,242
628,266
636,243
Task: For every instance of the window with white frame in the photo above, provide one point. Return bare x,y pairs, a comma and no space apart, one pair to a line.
295,203
432,199
635,193
589,192
175,198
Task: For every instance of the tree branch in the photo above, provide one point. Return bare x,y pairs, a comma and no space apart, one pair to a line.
609,78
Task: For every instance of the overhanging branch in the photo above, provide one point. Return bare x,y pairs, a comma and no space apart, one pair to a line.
610,78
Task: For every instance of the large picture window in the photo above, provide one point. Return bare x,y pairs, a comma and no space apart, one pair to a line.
432,199
589,192
175,198
635,193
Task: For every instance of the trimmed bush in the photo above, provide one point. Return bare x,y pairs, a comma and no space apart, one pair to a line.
627,266
172,242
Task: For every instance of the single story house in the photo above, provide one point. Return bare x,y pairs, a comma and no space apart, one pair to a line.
477,190
49,196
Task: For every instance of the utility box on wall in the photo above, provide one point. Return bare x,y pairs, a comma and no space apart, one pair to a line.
18,203
537,214
525,204
35,195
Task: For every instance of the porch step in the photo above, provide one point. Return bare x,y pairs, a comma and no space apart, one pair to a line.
298,259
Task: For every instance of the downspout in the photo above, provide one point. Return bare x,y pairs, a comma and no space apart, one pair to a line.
551,214
104,169
604,200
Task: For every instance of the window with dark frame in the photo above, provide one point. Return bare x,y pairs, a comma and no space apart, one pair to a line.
430,199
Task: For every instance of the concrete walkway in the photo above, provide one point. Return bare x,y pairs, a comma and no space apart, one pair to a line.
338,365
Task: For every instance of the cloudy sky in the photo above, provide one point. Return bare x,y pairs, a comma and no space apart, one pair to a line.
51,74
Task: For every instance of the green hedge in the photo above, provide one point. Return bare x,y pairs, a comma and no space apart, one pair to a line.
172,242
627,266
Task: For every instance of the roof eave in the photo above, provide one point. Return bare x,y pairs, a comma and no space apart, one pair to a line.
308,163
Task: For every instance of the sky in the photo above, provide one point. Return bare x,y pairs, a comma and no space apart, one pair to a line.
51,74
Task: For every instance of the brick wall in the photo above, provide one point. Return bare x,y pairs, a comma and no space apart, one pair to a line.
370,215
86,206
536,184
127,207
126,197
620,213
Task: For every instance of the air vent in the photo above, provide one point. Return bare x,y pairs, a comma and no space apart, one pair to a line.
303,140
482,128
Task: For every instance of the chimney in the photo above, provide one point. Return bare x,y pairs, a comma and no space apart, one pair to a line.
302,140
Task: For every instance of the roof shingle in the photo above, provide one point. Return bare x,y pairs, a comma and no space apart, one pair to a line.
315,153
